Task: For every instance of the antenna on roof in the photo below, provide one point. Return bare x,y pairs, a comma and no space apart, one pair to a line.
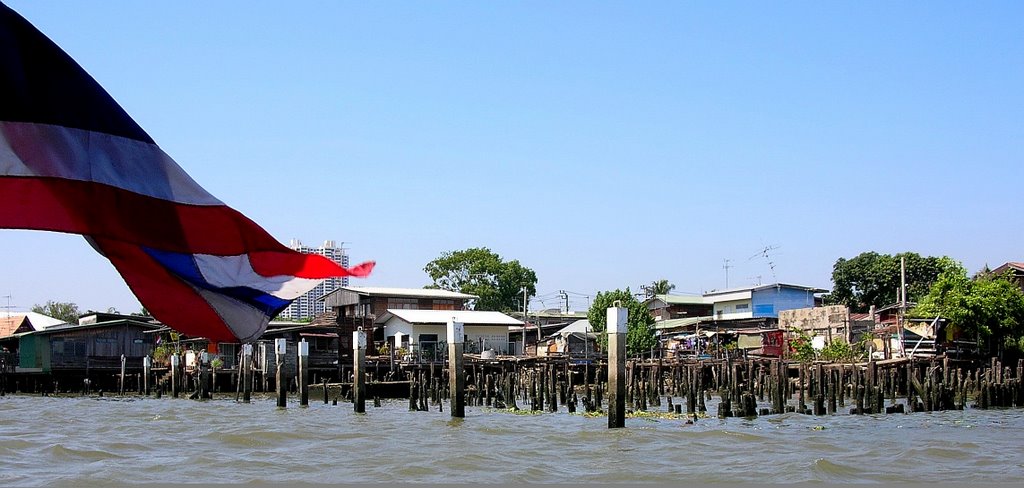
765,252
8,307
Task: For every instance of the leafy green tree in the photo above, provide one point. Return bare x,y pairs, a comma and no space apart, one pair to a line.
479,271
800,347
66,311
874,279
639,323
988,308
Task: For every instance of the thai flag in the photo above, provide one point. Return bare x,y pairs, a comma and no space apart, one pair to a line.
72,160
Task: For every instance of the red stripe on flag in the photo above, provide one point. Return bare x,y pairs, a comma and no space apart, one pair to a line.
108,212
303,265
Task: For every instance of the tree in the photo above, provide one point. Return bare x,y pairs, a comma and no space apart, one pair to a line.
66,311
639,323
659,287
481,272
988,308
874,279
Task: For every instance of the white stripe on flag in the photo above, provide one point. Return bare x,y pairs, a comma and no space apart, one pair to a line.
28,149
244,321
228,271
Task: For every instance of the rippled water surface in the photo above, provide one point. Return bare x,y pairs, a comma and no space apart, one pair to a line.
94,441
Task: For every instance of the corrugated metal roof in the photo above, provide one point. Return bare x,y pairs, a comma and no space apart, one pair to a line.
1010,265
467,317
40,321
682,299
676,323
765,287
407,292
37,321
66,327
581,326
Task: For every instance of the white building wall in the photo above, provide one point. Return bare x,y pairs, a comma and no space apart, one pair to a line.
491,336
734,309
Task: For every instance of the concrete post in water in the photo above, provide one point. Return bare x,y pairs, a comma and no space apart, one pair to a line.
246,374
147,364
358,370
174,375
617,323
303,373
280,348
456,379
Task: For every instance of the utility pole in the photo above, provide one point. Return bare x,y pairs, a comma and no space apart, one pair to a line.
565,296
903,301
726,273
526,314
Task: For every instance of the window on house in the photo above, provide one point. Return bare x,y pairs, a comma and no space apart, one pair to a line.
743,306
403,303
443,305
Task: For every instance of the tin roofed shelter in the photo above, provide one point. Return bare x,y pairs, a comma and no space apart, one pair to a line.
423,333
91,349
360,306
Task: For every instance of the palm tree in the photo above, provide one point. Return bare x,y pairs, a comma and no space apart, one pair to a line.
660,287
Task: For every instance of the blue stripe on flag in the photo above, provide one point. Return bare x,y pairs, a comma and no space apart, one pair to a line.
184,266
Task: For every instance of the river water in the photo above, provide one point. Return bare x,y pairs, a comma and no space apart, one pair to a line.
93,441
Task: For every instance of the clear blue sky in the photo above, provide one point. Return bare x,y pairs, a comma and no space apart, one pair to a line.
602,144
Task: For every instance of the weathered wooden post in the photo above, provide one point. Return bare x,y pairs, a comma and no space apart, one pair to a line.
359,370
303,373
175,380
203,376
280,348
120,388
246,373
617,323
456,378
147,364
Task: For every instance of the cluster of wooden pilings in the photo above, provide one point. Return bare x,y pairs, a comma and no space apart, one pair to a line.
743,388
537,385
684,387
764,387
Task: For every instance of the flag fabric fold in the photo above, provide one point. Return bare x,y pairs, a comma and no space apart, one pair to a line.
72,160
